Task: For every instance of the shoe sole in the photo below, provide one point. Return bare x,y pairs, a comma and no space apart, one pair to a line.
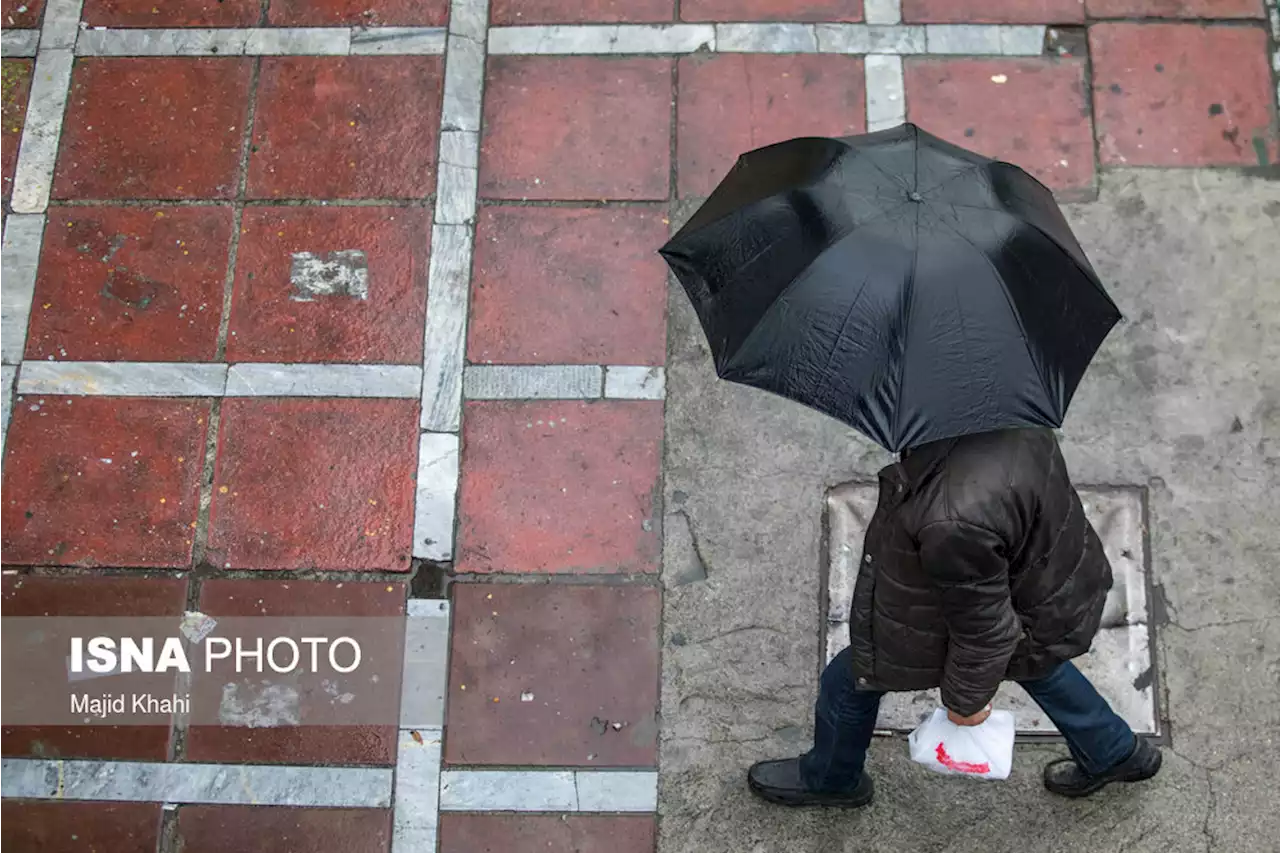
1139,775
811,800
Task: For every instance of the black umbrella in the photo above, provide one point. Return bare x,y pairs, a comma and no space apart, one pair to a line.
911,288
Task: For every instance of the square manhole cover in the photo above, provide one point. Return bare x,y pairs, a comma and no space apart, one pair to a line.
1119,663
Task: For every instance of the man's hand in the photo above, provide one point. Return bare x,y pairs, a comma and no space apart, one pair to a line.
976,720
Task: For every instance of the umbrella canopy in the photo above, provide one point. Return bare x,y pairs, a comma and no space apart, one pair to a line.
908,287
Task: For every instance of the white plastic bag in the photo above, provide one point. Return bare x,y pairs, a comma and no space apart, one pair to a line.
984,751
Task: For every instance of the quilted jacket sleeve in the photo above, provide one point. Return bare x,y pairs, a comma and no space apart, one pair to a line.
966,563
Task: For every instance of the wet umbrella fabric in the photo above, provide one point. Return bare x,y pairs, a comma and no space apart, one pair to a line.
908,287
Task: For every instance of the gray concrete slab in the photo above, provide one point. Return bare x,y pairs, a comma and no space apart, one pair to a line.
1184,400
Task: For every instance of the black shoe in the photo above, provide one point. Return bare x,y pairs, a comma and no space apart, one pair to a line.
780,782
1069,779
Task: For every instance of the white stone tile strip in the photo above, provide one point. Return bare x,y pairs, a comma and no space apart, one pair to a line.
886,92
630,382
324,380
183,42
61,24
464,68
397,41
870,39
448,297
416,816
298,41
549,791
533,382
457,177
985,39
50,84
23,234
8,373
17,43
122,378
437,492
559,39
882,11
766,38
222,784
508,790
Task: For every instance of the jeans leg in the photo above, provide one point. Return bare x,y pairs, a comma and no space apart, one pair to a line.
1097,737
844,719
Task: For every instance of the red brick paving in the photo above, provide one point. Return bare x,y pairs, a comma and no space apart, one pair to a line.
576,128
569,286
162,128
272,829
1175,8
91,596
304,483
771,10
76,495
15,86
302,744
369,13
517,12
172,13
733,103
1037,119
481,833
993,11
1182,95
587,654
130,284
346,127
26,19
89,827
269,324
560,486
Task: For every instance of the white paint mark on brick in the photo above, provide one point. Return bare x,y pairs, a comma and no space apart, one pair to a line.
122,378
225,784
508,790
417,797
8,374
617,791
23,235
630,382
882,11
426,662
19,42
886,92
864,39
397,41
259,706
533,382
298,41
766,38
323,380
50,83
1121,651
448,296
61,24
457,179
175,42
560,39
341,273
436,496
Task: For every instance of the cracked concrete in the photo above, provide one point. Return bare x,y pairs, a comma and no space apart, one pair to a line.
1183,399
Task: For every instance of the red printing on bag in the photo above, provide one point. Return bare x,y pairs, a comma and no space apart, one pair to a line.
959,766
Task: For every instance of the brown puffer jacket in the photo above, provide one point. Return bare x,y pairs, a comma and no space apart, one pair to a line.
978,566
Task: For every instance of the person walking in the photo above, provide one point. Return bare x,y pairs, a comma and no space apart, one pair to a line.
979,566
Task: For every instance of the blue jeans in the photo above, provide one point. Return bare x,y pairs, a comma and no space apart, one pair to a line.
845,718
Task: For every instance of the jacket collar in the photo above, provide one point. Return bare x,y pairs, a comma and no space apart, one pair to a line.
918,464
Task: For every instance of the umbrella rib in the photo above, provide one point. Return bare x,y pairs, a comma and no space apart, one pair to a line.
1022,330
